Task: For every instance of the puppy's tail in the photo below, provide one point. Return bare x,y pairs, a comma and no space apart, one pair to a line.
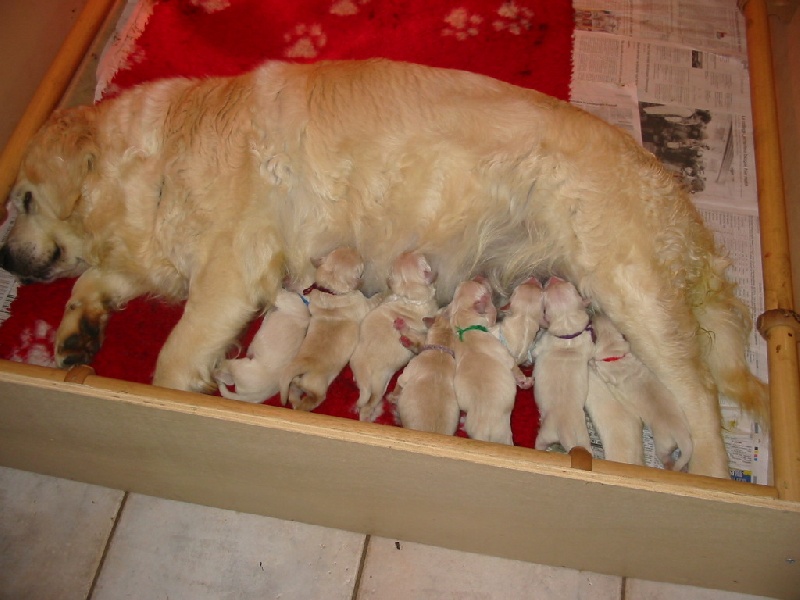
725,326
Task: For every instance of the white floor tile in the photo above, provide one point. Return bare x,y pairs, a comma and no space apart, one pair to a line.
405,570
165,549
636,589
52,535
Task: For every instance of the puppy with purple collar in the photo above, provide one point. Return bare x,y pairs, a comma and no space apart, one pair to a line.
561,372
425,392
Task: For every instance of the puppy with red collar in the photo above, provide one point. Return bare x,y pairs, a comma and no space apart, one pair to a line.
636,390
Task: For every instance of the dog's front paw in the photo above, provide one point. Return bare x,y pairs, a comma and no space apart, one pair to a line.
79,336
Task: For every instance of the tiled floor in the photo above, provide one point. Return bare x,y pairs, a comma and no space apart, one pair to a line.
65,540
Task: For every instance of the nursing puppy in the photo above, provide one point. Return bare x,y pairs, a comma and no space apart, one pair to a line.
521,321
256,377
635,388
425,392
337,308
619,429
486,376
214,190
379,353
561,374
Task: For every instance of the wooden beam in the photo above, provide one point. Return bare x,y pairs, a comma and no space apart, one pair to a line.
441,490
778,295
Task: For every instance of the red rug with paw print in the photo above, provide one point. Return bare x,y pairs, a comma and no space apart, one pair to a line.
524,42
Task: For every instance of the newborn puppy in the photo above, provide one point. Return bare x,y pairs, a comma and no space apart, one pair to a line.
257,376
425,393
521,321
636,388
337,308
561,374
379,353
620,430
486,376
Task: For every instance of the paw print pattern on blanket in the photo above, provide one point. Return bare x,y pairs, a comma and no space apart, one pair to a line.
344,8
210,6
514,19
305,41
462,25
36,345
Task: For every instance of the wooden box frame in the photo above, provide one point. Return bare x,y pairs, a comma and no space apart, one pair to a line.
517,503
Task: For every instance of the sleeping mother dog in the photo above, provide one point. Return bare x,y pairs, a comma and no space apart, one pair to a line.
218,190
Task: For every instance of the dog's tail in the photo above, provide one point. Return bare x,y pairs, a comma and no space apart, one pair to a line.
725,327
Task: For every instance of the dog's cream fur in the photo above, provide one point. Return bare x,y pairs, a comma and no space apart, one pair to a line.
635,387
379,353
425,392
214,190
561,372
256,377
332,335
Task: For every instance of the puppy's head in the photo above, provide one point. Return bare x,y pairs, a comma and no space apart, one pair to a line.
412,277
473,298
339,271
563,305
528,299
46,241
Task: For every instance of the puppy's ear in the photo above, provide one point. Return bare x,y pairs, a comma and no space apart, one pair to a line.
482,304
425,267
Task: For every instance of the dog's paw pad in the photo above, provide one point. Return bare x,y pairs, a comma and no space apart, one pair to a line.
80,347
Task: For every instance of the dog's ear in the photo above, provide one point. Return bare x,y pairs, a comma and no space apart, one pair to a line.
68,143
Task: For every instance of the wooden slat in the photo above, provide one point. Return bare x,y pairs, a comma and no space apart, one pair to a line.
50,91
781,339
450,492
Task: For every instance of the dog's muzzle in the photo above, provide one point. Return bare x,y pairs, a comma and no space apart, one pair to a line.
25,267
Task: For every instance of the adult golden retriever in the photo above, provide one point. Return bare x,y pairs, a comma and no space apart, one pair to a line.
216,190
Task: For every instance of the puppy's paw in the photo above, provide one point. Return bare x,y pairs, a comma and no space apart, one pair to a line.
79,336
223,376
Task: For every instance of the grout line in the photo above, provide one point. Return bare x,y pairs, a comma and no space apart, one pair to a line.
107,546
361,562
623,587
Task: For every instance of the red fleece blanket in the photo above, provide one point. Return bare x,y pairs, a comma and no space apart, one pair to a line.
525,42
